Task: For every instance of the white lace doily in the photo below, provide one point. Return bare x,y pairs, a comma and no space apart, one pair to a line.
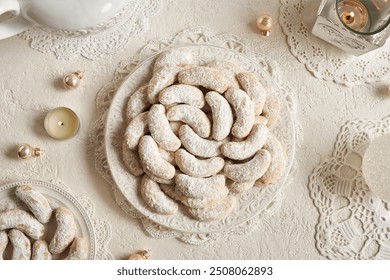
104,99
101,228
105,39
323,60
354,223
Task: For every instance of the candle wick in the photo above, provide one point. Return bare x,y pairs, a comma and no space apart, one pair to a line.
61,123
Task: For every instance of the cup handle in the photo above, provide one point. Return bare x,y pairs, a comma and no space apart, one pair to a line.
15,25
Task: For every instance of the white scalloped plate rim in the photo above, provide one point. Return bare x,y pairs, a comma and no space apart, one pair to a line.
127,183
84,222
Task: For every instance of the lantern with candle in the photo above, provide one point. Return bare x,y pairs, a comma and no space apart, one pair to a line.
355,26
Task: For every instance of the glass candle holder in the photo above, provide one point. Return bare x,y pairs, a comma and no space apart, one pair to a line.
356,26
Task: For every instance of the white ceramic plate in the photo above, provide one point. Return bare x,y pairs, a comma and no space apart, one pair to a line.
57,197
248,203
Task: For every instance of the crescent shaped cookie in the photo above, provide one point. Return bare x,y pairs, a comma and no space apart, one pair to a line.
236,187
192,116
21,245
137,128
194,167
173,57
152,161
278,161
161,79
155,198
171,191
177,94
35,202
213,212
78,250
197,145
3,243
206,201
252,86
222,115
271,109
22,221
247,148
40,251
138,103
132,160
200,187
229,69
65,232
251,170
245,112
206,77
160,129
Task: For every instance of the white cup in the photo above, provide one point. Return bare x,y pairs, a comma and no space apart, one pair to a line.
72,15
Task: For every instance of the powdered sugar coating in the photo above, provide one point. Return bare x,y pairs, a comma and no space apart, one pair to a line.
239,187
152,161
23,221
78,250
160,129
247,148
138,103
21,245
65,232
3,243
192,166
177,94
207,77
132,160
252,86
192,116
173,57
200,187
197,145
245,112
137,128
251,170
229,69
271,109
161,79
155,198
35,202
40,251
216,211
222,115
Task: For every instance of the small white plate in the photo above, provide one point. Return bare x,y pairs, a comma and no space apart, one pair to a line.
376,166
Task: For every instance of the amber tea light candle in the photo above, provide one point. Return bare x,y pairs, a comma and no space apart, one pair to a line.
62,123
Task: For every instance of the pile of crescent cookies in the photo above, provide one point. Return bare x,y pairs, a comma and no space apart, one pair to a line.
27,230
198,135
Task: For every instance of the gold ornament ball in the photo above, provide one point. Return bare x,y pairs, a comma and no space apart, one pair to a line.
73,80
25,151
264,24
142,255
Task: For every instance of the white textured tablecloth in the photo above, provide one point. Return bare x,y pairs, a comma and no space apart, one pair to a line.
29,87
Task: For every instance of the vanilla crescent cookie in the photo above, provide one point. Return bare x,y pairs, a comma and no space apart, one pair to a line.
197,145
162,78
278,161
236,187
206,77
155,198
261,120
192,116
171,191
3,243
78,250
173,57
200,187
229,69
271,109
160,129
252,86
245,112
222,115
247,148
177,94
250,170
194,167
168,156
22,221
207,201
131,160
65,232
40,251
138,103
152,161
21,245
160,180
216,211
35,202
137,128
